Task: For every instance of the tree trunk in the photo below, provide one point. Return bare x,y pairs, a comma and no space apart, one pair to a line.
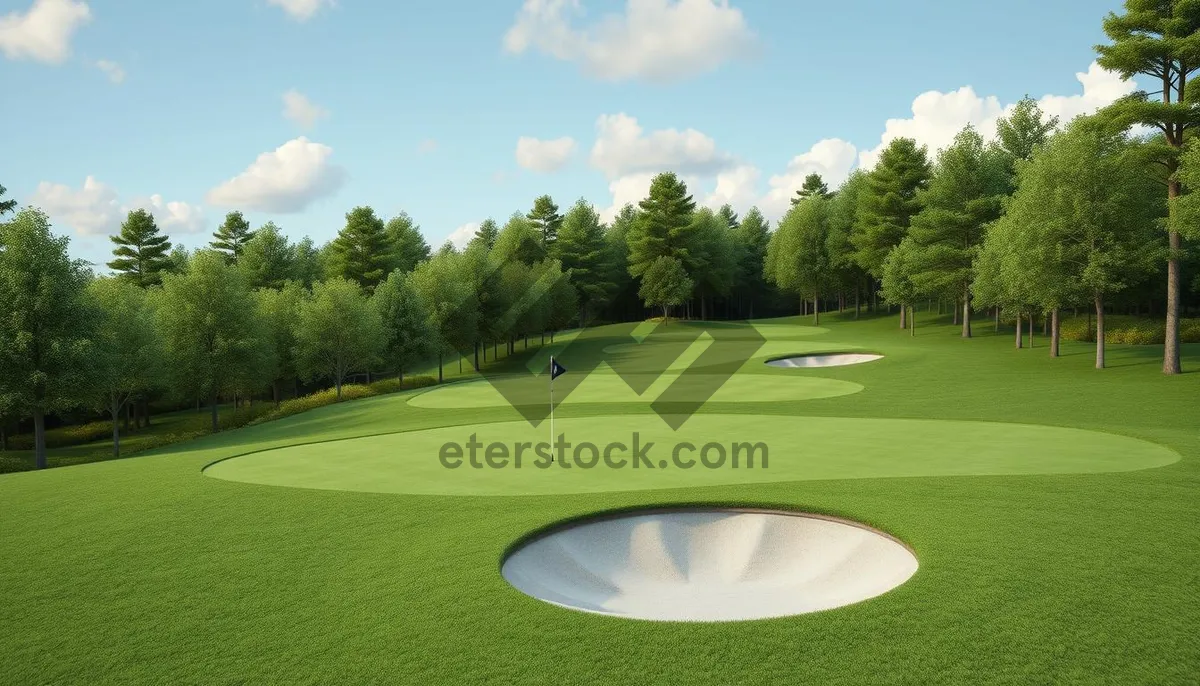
912,321
39,437
439,367
1019,346
903,318
114,408
1171,342
1055,334
816,310
212,408
966,330
1031,316
856,303
996,323
703,308
476,362
1099,331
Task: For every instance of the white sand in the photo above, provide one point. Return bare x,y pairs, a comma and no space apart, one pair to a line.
709,566
832,360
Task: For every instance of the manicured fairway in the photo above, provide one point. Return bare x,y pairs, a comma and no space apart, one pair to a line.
800,449
1053,509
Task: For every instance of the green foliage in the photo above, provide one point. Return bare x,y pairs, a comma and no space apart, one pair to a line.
888,202
731,218
208,323
1126,330
444,284
46,320
753,234
231,236
268,258
312,401
897,285
665,284
338,331
714,251
813,187
307,262
961,199
1186,218
799,261
585,253
407,241
405,318
545,220
141,254
519,241
842,210
278,312
178,259
1022,133
486,234
126,352
362,252
664,226
6,206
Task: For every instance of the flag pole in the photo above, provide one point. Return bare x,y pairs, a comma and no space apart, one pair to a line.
551,408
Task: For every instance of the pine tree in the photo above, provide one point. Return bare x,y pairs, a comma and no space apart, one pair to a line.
231,237
731,218
585,253
6,206
664,226
486,233
362,251
889,202
813,187
408,242
141,253
753,235
545,219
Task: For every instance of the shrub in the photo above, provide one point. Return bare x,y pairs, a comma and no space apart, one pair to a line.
1122,329
312,401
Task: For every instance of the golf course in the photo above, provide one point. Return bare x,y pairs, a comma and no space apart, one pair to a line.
1050,507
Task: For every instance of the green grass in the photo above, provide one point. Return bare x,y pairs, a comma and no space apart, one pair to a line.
147,570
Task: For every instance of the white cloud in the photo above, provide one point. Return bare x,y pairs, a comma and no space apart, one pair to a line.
463,235
112,70
301,111
43,32
285,180
938,117
654,40
301,10
544,155
832,158
737,187
427,146
95,209
621,149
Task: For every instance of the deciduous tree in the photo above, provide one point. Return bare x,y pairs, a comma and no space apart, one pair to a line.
337,331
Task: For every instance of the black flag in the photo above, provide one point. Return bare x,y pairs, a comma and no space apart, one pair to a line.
556,369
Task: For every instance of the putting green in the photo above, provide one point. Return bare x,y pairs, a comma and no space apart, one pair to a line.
607,387
799,449
773,348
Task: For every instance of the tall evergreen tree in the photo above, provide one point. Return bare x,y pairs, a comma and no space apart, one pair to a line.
231,236
141,254
962,198
664,226
585,253
731,218
6,206
268,259
45,323
486,234
1160,39
407,241
753,235
813,187
545,219
362,251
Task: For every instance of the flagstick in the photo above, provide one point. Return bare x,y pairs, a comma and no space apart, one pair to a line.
551,408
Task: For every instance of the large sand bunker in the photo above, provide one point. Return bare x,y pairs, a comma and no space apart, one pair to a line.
709,565
824,360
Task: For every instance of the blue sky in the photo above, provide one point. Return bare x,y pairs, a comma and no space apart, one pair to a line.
419,106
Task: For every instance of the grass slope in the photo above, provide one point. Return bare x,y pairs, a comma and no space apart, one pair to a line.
146,571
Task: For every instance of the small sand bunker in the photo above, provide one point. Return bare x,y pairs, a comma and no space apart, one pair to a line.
709,565
824,360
